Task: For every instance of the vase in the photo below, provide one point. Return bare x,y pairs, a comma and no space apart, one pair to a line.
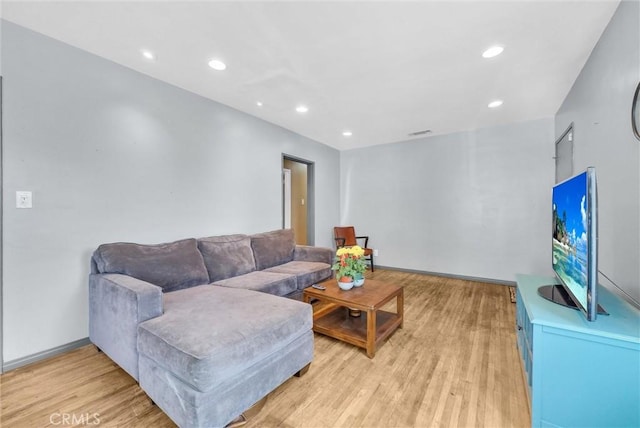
358,281
345,283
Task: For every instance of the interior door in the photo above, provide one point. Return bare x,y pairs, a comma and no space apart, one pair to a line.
564,155
298,199
286,199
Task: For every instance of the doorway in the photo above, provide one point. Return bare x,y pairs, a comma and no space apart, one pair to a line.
298,198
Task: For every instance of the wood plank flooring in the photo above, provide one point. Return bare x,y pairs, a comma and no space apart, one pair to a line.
454,364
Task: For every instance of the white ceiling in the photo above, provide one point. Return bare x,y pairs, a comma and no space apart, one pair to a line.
380,69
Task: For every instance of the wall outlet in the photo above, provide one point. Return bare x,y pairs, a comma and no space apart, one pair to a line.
375,253
24,199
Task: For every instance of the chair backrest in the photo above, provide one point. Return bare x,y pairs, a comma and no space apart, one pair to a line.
348,233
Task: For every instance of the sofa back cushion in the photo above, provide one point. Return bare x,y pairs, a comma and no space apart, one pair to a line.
227,256
171,266
273,248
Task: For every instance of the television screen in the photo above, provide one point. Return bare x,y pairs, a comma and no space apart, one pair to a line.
574,239
570,235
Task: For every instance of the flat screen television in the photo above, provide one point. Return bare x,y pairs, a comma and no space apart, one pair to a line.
575,244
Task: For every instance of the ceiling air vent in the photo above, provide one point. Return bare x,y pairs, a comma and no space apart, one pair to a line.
415,134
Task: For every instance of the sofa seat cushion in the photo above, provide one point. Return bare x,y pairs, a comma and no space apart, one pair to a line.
227,256
307,273
273,248
208,334
171,266
278,283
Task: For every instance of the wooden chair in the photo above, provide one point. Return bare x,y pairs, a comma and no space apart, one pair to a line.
345,236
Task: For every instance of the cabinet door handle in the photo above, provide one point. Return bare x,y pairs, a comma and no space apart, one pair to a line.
519,327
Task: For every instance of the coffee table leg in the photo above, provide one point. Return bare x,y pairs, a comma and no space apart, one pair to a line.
371,333
400,307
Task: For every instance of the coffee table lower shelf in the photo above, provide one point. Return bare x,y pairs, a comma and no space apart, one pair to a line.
337,323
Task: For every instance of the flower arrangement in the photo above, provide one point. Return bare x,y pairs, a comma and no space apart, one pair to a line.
349,262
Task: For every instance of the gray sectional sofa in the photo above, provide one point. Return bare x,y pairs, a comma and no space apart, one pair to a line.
202,324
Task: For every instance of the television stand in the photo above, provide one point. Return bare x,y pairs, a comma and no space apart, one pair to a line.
578,373
557,294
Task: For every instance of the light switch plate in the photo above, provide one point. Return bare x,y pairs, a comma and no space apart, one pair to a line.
24,199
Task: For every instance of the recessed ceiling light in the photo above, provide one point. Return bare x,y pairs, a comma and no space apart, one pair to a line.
259,103
302,109
148,54
494,104
216,64
492,51
347,133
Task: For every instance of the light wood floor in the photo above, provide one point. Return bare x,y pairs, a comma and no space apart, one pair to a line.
454,363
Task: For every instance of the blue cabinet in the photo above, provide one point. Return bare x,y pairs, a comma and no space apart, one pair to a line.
579,373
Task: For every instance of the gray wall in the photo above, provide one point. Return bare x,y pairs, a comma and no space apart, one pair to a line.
472,203
110,155
1,193
599,105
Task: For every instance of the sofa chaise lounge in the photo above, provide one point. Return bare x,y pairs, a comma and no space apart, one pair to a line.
202,324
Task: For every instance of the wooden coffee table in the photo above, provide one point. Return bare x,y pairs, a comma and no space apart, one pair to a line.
371,327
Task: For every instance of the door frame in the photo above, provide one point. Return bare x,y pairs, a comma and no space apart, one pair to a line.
311,197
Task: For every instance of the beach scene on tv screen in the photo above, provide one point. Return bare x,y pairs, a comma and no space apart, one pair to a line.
570,235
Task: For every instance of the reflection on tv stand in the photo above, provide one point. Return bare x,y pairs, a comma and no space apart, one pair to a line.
557,294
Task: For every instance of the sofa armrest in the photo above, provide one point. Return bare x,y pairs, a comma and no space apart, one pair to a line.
308,253
117,304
